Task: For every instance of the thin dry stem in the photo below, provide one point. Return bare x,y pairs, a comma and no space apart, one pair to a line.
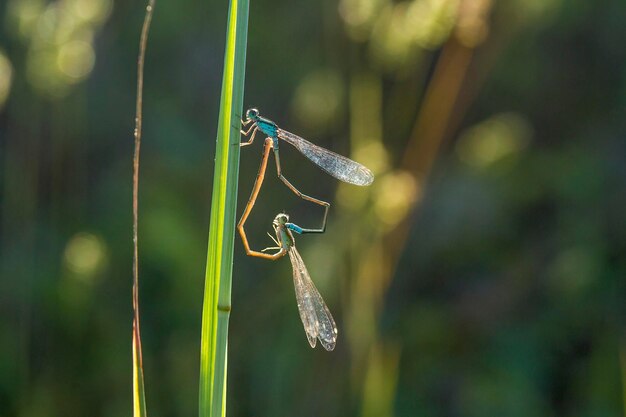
138,119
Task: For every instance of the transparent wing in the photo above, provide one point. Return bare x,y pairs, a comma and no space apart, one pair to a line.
338,166
316,318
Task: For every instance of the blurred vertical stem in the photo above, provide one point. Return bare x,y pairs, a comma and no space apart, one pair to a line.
219,268
375,358
139,395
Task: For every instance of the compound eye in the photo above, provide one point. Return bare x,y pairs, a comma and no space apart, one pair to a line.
281,218
252,113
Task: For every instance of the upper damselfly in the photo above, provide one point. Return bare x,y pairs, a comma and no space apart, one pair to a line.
334,164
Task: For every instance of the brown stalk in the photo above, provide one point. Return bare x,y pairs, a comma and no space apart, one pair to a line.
138,126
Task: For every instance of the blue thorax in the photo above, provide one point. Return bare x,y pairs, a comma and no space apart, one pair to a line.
268,127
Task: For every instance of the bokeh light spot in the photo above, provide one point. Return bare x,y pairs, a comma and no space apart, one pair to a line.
76,59
395,194
359,16
494,139
430,22
373,155
59,34
84,255
402,29
318,98
47,24
24,14
6,76
391,42
92,10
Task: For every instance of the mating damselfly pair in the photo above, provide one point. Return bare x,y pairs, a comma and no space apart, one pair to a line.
315,315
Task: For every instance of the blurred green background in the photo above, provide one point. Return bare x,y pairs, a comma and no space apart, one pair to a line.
482,274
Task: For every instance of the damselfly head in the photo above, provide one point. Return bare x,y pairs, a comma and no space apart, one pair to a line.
280,219
252,114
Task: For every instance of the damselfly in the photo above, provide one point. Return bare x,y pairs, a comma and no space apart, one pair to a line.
316,318
336,165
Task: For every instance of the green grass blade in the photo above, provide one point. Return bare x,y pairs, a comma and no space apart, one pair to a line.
216,308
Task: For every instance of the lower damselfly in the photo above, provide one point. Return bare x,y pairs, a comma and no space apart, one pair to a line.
315,315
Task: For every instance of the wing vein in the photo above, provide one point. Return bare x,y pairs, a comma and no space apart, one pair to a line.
338,166
316,317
